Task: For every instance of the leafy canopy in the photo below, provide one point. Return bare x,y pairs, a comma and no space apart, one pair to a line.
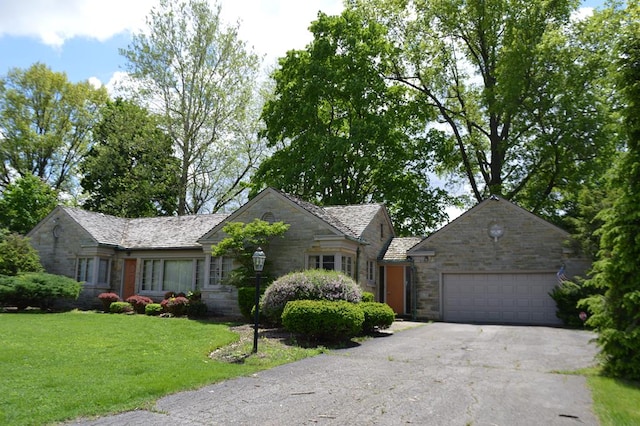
26,202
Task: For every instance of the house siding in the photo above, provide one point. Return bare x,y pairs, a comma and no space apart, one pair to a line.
528,244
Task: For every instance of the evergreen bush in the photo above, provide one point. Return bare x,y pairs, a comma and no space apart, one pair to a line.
323,320
567,295
121,308
376,316
313,284
153,309
37,289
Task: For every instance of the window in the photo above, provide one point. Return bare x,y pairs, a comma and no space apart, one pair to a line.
371,268
85,270
219,270
179,275
347,265
331,262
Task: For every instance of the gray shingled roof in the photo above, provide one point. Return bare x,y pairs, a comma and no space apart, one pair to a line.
397,250
350,220
154,232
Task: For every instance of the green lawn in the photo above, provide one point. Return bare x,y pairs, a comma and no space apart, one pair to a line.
55,367
616,402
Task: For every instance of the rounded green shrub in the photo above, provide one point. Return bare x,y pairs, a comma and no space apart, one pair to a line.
323,320
37,289
313,284
153,309
376,316
121,308
367,296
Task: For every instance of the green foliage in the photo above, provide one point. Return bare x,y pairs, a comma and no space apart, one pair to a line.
376,316
130,170
37,289
567,295
367,296
323,320
617,271
121,308
200,77
17,255
45,125
26,202
342,133
315,284
139,303
153,309
242,241
246,300
196,309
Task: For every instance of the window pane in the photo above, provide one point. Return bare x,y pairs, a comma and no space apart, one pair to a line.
151,275
227,266
347,266
178,275
199,273
103,271
328,262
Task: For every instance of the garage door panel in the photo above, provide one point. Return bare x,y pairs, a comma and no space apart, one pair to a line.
499,298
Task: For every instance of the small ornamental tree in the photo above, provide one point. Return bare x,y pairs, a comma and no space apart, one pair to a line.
17,255
242,241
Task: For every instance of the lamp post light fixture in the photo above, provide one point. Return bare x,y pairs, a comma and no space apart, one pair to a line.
258,264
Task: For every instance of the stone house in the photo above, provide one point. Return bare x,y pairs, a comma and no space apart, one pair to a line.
495,263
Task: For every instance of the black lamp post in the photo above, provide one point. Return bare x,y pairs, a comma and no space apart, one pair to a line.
258,264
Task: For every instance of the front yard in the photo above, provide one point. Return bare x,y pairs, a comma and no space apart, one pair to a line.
56,367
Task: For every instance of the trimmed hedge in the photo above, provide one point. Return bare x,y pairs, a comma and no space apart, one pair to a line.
37,289
313,284
376,316
323,320
121,308
367,296
153,309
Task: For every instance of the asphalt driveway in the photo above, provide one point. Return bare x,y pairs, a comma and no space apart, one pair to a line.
433,374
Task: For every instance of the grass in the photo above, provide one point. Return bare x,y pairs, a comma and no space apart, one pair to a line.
56,367
616,402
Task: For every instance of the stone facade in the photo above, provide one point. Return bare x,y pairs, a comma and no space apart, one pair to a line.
496,236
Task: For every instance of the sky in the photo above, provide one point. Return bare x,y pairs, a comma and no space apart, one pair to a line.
82,37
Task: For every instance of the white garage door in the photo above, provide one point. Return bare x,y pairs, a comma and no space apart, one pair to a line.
499,298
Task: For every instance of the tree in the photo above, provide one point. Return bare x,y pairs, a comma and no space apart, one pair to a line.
617,270
200,77
26,202
45,125
17,255
344,136
515,111
242,241
131,170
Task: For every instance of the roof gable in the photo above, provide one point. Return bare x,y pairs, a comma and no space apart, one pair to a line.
487,210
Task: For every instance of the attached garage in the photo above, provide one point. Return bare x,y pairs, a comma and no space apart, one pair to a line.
509,298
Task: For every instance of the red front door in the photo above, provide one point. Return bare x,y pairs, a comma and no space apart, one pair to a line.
395,288
129,278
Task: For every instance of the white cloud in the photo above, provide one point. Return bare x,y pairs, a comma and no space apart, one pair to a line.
55,21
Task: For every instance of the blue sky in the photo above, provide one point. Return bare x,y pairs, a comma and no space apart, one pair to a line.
82,37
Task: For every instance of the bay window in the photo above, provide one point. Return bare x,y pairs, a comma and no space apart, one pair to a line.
331,262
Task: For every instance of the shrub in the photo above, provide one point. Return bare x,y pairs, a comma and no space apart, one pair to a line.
196,309
176,306
121,308
367,296
169,295
139,303
323,320
107,299
246,300
376,315
37,289
567,295
17,255
153,309
308,285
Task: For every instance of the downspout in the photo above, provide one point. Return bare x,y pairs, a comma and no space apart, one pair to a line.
414,290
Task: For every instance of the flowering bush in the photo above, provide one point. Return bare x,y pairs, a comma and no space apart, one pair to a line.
139,303
176,306
313,284
107,299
